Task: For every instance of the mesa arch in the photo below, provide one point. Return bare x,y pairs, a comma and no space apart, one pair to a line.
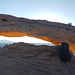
42,29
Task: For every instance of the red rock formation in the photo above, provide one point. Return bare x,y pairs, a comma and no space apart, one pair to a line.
28,59
49,31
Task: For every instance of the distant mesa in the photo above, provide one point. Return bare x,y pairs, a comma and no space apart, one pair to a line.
5,41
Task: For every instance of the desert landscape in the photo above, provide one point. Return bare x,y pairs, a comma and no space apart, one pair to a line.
53,32
27,59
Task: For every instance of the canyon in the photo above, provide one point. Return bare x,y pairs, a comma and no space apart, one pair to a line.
27,59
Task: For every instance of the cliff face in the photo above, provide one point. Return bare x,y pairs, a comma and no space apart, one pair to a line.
49,31
28,59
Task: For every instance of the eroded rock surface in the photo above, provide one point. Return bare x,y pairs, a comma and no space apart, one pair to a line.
28,59
49,31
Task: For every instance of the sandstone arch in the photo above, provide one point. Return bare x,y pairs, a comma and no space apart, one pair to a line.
49,31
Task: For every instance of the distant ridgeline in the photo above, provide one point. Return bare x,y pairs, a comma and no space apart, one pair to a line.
4,42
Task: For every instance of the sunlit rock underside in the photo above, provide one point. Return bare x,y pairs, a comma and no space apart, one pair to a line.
42,29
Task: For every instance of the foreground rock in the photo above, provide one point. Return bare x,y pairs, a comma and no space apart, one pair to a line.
50,31
64,52
28,59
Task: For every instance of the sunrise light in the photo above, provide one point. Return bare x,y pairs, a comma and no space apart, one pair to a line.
26,39
50,17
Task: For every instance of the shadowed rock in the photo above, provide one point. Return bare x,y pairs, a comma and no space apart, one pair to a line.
4,20
64,52
27,59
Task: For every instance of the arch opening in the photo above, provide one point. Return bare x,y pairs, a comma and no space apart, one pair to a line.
26,39
30,34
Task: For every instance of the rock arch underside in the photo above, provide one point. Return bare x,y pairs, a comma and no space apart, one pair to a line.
27,59
50,31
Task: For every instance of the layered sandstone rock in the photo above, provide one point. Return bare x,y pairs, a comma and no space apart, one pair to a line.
28,59
49,31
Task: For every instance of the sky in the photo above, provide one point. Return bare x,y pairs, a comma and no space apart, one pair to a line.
52,10
24,39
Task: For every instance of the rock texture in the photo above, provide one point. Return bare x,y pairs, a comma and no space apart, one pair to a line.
49,31
27,59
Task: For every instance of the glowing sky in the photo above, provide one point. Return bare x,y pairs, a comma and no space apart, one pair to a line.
52,10
25,39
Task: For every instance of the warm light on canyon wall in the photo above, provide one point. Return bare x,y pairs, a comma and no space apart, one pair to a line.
23,38
20,34
13,34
